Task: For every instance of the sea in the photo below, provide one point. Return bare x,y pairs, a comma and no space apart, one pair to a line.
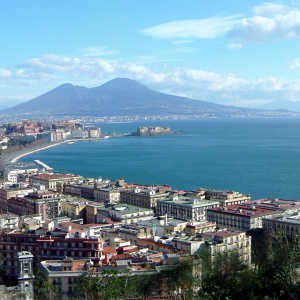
256,156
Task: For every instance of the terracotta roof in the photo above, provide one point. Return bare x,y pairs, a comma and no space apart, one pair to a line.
109,250
243,210
73,225
107,221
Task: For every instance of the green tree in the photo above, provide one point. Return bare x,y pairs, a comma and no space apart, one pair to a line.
109,285
43,289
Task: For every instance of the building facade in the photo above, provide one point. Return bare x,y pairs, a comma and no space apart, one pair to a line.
53,181
227,241
239,217
111,195
44,247
142,197
184,207
126,214
226,197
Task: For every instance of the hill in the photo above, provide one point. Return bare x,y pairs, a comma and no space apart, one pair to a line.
282,104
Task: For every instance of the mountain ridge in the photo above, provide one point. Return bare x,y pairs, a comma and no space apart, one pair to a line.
119,97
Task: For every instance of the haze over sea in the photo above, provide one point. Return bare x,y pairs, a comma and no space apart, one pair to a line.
260,157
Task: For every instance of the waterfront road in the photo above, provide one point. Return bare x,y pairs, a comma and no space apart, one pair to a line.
9,160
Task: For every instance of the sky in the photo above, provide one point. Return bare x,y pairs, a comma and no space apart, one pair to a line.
241,53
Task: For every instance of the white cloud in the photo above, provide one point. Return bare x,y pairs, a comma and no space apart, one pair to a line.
203,28
269,9
295,63
224,88
179,42
271,21
260,29
5,74
234,46
97,51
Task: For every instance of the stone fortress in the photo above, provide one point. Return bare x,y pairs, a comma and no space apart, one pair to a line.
156,130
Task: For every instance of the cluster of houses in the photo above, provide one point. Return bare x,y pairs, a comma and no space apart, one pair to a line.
65,225
30,131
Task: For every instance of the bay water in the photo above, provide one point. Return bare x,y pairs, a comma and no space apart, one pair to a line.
256,156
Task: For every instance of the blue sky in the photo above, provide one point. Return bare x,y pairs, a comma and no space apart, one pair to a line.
242,53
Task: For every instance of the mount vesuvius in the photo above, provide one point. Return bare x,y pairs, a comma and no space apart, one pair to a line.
118,97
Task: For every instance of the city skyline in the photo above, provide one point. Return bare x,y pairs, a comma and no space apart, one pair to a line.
242,54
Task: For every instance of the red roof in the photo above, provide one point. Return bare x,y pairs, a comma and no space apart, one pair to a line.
109,250
243,210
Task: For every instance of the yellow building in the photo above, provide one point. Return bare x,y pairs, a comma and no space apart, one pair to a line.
74,208
111,195
91,212
192,228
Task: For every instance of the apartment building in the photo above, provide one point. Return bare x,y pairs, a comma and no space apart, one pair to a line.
188,245
143,196
53,181
156,245
14,176
286,224
110,195
91,211
132,232
239,217
46,203
226,241
79,190
9,221
64,124
226,197
185,207
124,213
12,191
193,228
44,247
282,205
19,206
74,208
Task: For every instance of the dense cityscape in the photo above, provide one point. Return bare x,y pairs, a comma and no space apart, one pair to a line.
67,226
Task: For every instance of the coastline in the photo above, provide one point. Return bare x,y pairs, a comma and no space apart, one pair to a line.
12,158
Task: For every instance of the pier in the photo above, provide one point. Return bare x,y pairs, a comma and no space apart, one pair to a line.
43,165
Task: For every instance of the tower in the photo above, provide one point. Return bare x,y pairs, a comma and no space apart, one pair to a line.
25,273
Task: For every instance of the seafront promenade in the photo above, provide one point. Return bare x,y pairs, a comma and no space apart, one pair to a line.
12,158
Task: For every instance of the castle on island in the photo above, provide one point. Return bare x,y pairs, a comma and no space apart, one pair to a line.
156,130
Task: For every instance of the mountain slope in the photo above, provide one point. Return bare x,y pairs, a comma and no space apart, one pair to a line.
119,96
282,104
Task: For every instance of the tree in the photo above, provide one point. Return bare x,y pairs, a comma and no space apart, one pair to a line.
109,285
43,289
